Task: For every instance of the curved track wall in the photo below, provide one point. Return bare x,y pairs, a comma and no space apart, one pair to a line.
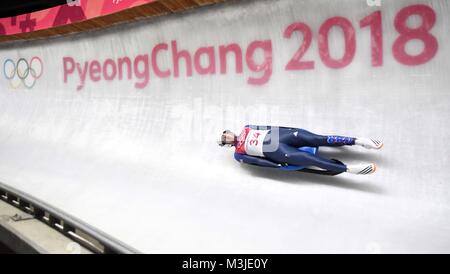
118,127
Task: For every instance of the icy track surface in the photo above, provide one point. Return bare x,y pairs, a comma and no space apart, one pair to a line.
138,160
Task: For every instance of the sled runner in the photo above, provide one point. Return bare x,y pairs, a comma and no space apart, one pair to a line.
311,150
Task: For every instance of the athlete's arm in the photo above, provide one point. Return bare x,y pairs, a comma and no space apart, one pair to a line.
251,160
269,127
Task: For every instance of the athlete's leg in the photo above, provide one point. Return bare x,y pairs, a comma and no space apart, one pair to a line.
301,137
290,155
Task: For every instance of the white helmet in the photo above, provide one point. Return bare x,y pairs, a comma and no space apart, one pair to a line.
221,139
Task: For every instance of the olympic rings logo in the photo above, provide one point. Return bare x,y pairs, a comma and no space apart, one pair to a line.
23,72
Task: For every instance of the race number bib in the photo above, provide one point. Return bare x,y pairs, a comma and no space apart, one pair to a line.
254,142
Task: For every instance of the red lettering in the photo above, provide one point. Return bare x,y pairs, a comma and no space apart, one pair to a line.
156,69
295,63
224,50
176,56
209,53
349,38
265,66
421,33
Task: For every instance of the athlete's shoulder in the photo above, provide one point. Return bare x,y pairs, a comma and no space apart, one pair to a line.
240,140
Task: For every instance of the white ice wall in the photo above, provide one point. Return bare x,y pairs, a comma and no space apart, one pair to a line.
142,164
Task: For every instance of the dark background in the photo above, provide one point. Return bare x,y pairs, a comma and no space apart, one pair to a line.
5,250
10,8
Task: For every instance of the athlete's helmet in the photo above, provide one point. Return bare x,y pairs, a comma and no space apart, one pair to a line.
221,141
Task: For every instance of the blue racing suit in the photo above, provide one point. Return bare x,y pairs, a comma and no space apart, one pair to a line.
276,146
